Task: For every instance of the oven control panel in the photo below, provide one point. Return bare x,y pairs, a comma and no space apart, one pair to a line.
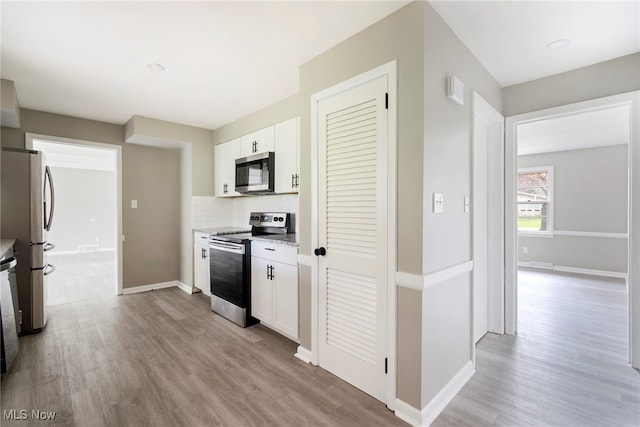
269,219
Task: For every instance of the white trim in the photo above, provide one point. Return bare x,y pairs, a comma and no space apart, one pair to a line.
410,281
29,137
597,234
390,70
303,354
481,109
448,392
184,287
422,283
151,287
408,413
446,274
575,270
306,260
54,253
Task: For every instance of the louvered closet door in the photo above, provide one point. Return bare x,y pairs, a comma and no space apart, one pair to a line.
352,203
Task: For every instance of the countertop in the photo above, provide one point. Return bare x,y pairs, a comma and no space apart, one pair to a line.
283,239
5,244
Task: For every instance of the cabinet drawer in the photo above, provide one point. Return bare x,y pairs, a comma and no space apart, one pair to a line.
275,252
200,238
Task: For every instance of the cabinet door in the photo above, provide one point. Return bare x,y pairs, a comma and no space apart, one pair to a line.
287,136
285,299
261,290
201,270
257,142
225,168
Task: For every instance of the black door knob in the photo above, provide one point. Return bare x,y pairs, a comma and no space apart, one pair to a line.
320,251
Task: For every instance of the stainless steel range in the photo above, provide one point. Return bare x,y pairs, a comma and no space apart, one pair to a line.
230,265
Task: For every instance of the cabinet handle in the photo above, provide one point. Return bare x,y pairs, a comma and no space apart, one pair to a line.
254,147
204,253
293,180
224,187
269,272
297,180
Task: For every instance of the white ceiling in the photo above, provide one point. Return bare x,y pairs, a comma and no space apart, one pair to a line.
222,60
510,37
589,129
225,60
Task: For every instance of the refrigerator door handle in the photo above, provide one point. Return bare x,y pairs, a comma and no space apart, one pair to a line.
48,177
50,268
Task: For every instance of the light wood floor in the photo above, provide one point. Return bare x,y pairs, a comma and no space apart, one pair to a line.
81,276
566,367
162,358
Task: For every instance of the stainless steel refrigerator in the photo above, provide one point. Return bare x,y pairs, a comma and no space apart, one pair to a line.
27,213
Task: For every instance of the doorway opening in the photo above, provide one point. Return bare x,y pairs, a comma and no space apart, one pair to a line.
569,223
87,221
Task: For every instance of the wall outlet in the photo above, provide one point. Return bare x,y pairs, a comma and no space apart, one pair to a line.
438,203
525,250
467,204
134,204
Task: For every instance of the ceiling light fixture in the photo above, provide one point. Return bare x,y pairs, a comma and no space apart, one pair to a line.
154,66
558,44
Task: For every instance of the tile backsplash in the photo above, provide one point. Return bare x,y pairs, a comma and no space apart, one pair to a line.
207,212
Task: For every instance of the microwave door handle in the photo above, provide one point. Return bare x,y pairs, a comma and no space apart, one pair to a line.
53,198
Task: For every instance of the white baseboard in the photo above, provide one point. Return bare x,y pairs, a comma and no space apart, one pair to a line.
184,287
448,392
303,354
408,413
76,252
151,287
575,270
429,413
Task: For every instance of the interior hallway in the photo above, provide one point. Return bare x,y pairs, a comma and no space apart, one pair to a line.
566,367
81,276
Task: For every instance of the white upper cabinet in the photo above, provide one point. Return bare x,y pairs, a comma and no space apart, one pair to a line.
287,135
225,168
257,142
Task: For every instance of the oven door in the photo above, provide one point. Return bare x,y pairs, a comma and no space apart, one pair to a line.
227,271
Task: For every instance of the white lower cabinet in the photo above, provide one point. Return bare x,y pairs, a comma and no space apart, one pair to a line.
201,262
274,287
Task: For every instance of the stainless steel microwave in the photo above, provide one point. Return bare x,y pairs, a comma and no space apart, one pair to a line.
255,174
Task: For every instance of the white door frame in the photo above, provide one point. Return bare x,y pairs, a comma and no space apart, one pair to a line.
389,70
631,99
29,137
495,202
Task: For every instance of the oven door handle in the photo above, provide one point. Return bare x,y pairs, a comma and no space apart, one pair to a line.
227,247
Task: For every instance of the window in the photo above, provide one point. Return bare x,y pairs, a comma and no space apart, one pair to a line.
535,200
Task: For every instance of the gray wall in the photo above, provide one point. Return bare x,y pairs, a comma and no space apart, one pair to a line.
85,209
446,238
619,75
590,195
146,174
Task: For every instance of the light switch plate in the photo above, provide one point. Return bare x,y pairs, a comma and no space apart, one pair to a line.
134,204
438,203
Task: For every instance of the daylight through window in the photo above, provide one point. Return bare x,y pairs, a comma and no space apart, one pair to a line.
534,200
